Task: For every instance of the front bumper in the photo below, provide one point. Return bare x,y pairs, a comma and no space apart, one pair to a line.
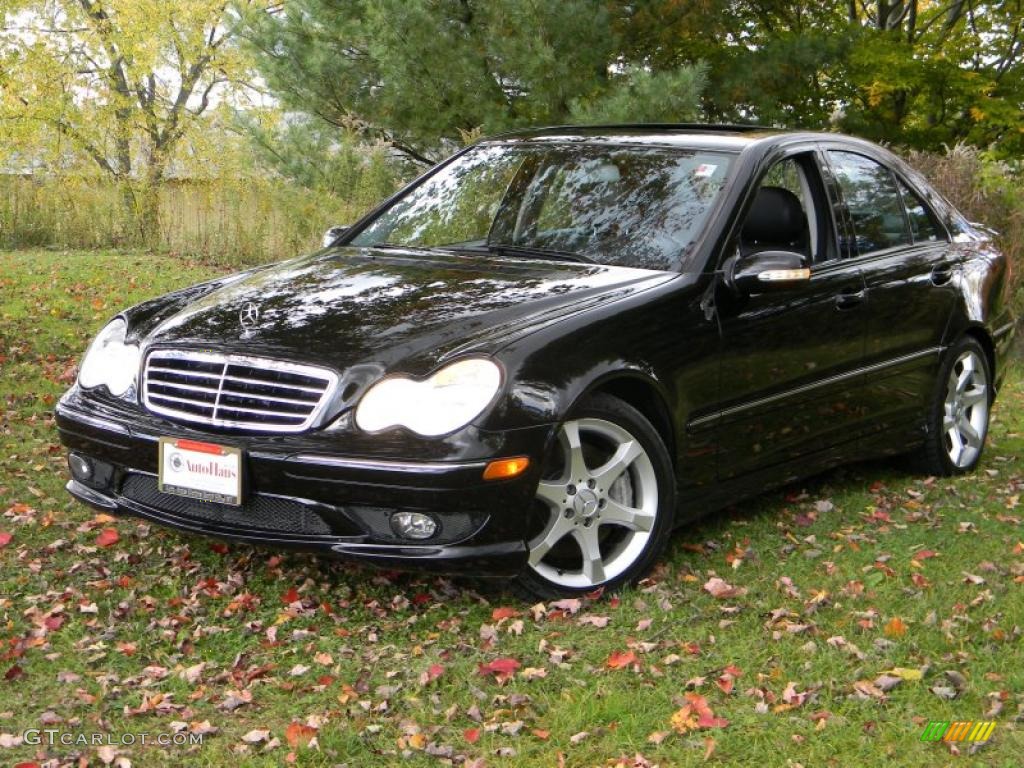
303,491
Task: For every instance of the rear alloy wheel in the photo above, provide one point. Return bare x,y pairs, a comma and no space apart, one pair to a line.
960,411
603,505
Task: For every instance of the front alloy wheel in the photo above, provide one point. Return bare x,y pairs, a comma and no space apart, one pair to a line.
603,505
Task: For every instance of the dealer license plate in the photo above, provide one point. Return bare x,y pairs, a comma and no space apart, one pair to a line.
204,471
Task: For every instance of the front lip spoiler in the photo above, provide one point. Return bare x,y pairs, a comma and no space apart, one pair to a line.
493,560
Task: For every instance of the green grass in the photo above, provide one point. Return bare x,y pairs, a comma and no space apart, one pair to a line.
157,602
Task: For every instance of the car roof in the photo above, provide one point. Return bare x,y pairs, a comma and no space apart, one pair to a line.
688,135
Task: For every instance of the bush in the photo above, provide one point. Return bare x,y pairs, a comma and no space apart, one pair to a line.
987,191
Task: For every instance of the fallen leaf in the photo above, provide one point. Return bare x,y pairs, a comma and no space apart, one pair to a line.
504,613
107,537
695,714
471,735
299,735
905,674
502,669
433,672
722,590
621,659
5,539
895,627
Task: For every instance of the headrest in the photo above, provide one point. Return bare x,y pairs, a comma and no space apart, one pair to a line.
775,217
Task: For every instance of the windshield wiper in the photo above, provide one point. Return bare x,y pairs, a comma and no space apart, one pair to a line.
507,249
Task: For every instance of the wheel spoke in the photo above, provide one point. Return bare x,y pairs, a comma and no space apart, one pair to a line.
965,375
590,548
569,437
554,533
632,518
973,396
624,455
956,445
552,494
969,433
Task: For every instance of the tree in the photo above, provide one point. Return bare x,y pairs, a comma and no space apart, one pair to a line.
121,82
425,75
910,72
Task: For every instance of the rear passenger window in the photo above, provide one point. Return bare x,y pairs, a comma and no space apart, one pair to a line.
873,200
922,222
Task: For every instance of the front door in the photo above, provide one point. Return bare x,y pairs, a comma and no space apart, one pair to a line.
791,361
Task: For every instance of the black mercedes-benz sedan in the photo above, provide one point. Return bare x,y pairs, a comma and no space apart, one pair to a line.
548,351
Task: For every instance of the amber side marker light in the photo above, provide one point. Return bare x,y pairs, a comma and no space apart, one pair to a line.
503,469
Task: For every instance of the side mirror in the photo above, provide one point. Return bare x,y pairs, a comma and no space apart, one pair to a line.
331,235
768,271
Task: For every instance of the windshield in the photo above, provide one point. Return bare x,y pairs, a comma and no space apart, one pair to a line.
627,206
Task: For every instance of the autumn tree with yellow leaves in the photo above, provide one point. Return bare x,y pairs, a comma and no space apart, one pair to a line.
121,85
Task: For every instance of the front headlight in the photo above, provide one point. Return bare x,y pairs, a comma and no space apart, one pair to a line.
110,361
448,400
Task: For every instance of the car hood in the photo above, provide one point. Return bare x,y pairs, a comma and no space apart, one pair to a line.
387,307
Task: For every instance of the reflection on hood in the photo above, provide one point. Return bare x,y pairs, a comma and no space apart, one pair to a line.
351,306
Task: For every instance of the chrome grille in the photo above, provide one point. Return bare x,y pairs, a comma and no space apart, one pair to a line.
235,391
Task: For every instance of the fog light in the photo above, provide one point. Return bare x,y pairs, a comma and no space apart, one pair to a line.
81,467
413,525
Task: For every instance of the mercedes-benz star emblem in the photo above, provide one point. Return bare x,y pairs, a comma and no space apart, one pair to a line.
249,315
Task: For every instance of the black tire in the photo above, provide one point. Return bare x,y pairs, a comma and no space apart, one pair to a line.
937,455
637,552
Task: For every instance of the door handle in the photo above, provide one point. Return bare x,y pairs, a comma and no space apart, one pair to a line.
942,275
850,298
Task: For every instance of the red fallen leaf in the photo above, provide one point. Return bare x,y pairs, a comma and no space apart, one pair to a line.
14,673
107,538
725,683
5,539
502,669
26,765
220,547
420,598
472,735
696,714
541,734
291,596
621,659
924,554
504,612
53,623
433,672
324,680
299,735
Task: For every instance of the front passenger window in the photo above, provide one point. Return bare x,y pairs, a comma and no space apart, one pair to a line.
873,200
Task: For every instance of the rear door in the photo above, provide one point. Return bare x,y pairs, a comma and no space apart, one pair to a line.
790,361
910,273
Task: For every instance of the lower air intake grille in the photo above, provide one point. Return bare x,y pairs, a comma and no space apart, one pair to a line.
261,511
235,391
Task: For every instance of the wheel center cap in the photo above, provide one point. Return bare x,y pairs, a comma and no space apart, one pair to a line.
585,504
